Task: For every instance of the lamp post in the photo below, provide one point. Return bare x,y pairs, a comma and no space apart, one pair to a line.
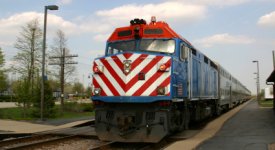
258,79
50,7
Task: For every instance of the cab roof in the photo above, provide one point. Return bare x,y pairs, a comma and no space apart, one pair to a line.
140,29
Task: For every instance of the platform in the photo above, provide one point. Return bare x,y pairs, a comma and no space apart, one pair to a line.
207,132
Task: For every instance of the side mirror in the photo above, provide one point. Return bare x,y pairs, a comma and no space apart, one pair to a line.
184,52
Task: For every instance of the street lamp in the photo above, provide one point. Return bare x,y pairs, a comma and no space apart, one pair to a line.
50,7
258,79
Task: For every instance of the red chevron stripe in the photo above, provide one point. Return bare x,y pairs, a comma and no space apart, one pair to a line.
96,85
144,70
127,55
138,61
109,84
118,62
150,81
114,74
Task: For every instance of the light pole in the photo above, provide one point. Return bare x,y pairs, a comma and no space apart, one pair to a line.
258,79
50,7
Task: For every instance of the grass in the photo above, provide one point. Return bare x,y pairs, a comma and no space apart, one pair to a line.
266,103
15,114
71,110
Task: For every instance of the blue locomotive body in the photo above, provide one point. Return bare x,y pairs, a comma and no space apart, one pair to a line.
152,82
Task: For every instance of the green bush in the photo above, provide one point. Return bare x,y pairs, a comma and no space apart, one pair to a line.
76,107
7,98
87,107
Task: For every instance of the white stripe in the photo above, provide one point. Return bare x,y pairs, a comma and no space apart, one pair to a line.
121,57
142,65
117,69
113,82
148,75
103,85
134,57
156,83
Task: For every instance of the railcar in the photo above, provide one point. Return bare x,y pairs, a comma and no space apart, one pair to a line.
152,82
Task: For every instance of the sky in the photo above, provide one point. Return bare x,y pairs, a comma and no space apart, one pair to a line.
232,33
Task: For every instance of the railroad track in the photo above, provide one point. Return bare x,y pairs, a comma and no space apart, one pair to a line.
135,146
51,142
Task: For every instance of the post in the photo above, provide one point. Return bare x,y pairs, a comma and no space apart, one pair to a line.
62,78
43,65
50,7
273,83
258,80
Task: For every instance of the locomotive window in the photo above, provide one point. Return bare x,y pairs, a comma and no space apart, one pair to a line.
183,52
157,45
194,52
117,47
205,59
153,31
212,64
124,33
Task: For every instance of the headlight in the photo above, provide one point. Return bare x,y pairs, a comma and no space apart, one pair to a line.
127,70
97,91
161,90
127,66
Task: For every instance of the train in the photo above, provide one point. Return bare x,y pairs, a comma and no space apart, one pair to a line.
152,82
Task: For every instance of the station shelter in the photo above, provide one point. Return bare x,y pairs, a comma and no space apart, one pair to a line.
271,81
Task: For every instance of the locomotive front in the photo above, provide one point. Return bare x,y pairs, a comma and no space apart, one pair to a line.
132,83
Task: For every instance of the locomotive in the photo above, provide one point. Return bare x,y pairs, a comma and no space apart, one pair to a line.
152,82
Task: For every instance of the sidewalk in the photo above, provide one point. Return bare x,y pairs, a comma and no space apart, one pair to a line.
7,104
252,128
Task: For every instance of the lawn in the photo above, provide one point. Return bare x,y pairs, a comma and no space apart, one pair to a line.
71,110
266,103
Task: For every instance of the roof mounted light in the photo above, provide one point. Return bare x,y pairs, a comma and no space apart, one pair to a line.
153,19
137,21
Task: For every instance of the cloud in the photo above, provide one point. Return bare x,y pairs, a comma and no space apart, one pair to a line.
64,2
101,37
224,38
12,25
96,53
5,43
267,20
213,2
168,10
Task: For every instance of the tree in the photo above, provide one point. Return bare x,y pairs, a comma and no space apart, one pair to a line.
61,56
22,94
89,91
29,44
3,78
78,88
60,42
49,104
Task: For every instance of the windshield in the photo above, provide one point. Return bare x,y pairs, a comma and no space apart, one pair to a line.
155,45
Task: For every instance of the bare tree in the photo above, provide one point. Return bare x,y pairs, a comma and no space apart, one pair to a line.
3,78
29,44
60,57
60,42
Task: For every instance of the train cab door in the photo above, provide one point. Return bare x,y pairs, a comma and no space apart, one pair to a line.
185,56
